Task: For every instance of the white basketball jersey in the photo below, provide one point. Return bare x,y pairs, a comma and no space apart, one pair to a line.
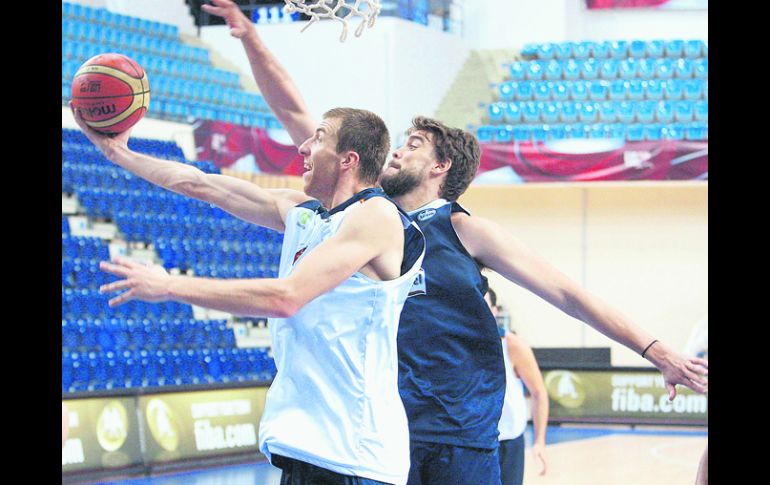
513,421
334,402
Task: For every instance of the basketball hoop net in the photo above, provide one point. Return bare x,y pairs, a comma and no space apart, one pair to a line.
337,10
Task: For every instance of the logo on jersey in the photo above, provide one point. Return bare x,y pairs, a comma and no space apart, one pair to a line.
302,219
298,254
426,214
418,286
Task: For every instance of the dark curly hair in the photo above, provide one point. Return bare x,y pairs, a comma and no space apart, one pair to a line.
457,145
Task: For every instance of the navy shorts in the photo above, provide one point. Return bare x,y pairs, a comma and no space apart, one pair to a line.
441,464
296,472
512,461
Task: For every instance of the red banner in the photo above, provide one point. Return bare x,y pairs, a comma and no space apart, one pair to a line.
671,4
225,144
595,159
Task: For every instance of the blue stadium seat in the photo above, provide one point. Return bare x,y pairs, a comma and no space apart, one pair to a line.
626,112
540,133
502,135
684,68
578,130
529,51
531,112
674,131
589,69
524,90
618,88
522,133
512,112
645,111
655,48
664,68
588,113
545,51
653,89
653,131
696,131
608,112
598,90
628,68
600,50
701,110
495,113
646,68
542,91
563,50
673,89
581,50
485,133
674,48
549,113
517,71
556,131
609,69
637,48
569,112
664,112
693,89
553,70
619,49
534,70
701,68
635,90
706,89
570,70
683,111
559,91
505,91
694,48
634,132
578,90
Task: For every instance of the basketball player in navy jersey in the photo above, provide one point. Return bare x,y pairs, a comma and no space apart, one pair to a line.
333,413
451,374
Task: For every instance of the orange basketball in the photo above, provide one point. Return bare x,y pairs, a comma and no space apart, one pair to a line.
112,92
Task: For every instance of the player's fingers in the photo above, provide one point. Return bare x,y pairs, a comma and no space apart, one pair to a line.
129,263
122,298
113,269
698,368
699,361
218,11
115,286
671,391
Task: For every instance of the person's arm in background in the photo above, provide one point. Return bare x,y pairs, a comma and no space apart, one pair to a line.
275,84
243,199
525,365
488,242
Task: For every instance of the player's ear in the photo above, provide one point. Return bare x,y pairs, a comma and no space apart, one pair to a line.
442,166
350,160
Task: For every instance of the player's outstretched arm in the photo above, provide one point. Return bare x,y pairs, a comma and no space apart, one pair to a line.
275,84
243,199
525,366
366,237
490,244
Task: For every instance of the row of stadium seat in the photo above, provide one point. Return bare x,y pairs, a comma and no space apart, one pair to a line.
618,49
616,90
82,247
592,111
74,140
89,303
632,68
76,53
76,12
183,111
119,334
115,370
631,132
112,39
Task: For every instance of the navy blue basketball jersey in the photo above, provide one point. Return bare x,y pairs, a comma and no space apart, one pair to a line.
451,371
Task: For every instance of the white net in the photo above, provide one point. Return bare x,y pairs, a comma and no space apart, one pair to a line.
341,10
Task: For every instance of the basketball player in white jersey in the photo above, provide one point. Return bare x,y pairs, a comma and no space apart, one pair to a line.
426,176
333,412
521,370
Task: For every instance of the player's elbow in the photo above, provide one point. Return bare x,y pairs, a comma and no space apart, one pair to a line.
286,301
191,183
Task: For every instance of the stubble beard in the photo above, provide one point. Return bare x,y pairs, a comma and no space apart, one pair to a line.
399,184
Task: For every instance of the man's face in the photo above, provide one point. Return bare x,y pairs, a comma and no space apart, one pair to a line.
321,162
410,165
